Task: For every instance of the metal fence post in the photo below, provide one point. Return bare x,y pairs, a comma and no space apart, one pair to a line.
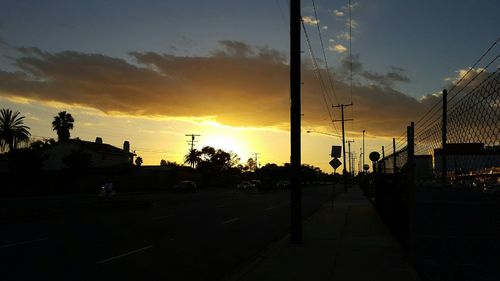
394,156
383,160
411,189
444,135
445,266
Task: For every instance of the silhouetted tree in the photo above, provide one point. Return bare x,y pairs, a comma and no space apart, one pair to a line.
62,123
193,157
13,132
251,165
163,162
138,161
42,144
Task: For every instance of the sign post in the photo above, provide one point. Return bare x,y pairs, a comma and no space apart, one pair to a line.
335,163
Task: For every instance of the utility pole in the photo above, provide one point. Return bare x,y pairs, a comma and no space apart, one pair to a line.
295,126
256,156
192,141
353,163
349,149
344,171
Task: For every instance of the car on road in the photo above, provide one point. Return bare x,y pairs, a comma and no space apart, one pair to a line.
185,186
282,184
244,185
492,189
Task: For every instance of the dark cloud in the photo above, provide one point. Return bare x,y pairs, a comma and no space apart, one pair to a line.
386,80
237,85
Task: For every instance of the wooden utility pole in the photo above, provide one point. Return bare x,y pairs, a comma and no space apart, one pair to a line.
344,170
295,126
192,141
350,156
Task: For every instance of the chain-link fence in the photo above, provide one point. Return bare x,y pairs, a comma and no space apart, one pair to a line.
438,188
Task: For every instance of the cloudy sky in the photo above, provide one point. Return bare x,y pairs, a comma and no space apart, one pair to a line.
152,71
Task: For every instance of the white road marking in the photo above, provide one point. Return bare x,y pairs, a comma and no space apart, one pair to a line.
123,255
231,220
163,217
270,208
23,242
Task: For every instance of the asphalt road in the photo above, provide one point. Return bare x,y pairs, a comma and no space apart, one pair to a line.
196,236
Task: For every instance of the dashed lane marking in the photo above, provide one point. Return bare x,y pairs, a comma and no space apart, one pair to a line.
231,220
23,243
125,254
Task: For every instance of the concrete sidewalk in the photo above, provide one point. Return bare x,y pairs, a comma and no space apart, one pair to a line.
345,243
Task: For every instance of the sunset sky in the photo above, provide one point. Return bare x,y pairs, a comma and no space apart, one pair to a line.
152,71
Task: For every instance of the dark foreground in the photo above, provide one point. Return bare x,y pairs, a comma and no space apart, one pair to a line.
163,236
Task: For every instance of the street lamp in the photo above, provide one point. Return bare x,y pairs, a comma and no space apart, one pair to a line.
322,133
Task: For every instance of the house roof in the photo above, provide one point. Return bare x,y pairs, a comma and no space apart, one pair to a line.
101,148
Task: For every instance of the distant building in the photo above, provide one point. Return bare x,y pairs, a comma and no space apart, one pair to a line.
102,155
467,157
423,167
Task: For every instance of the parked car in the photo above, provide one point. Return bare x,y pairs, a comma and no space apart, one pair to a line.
244,185
185,186
492,189
282,185
256,183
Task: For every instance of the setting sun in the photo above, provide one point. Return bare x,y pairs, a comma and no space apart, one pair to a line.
227,143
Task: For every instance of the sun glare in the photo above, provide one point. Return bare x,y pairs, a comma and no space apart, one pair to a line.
227,143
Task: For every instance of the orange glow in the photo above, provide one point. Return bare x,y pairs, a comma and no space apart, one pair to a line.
226,142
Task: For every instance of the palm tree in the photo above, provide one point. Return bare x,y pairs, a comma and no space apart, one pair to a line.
62,123
12,131
193,157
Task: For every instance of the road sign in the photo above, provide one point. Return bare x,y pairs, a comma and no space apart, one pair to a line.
336,150
374,156
335,163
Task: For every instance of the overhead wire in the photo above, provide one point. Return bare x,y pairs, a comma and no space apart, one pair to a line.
324,54
460,80
319,77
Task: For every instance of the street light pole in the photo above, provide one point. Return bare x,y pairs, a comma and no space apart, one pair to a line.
363,150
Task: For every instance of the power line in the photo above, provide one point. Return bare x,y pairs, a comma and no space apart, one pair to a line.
318,76
475,77
475,64
324,54
460,80
434,117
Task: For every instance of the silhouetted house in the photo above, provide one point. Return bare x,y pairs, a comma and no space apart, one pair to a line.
101,155
467,157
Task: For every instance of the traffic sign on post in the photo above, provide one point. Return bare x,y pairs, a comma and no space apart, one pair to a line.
335,163
336,151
